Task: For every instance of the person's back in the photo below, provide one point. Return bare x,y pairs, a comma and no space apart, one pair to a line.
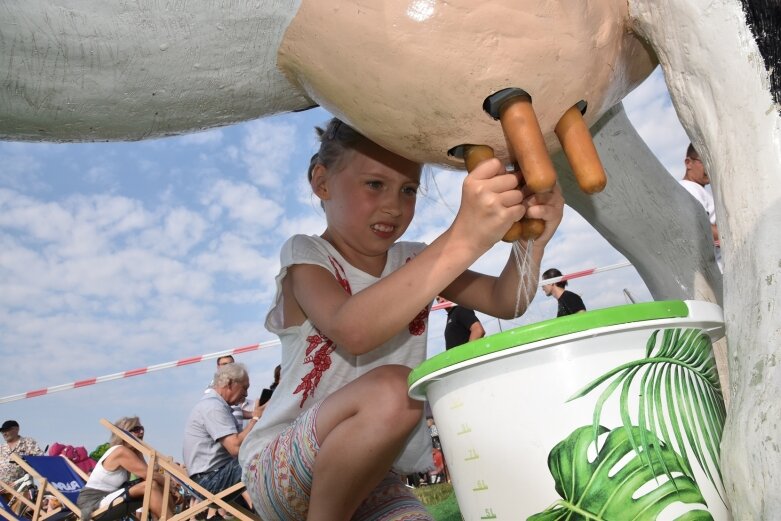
569,303
200,450
462,326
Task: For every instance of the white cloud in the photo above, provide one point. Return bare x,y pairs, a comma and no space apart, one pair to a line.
102,175
242,202
208,137
654,117
20,168
307,224
180,230
234,255
266,150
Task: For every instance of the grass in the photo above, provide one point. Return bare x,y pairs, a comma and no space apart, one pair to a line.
440,500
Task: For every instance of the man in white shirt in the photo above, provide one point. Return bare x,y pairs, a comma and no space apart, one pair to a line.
694,181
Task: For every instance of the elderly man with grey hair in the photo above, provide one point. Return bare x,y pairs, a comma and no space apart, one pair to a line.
212,436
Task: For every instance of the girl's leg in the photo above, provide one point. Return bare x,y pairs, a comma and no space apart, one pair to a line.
392,500
361,429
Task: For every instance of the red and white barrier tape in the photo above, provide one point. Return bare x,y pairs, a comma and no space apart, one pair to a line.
583,273
136,372
245,349
568,276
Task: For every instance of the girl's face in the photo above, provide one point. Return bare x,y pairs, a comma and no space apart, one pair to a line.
369,202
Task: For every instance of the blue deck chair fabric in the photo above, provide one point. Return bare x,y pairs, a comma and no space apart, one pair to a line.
62,477
59,474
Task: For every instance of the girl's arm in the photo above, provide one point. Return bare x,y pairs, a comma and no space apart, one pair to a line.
361,322
497,296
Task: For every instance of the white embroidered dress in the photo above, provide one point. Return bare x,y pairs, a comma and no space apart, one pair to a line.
313,367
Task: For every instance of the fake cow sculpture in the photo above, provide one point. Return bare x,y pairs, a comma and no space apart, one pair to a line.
413,75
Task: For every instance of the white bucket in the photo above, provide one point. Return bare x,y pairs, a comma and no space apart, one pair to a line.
507,404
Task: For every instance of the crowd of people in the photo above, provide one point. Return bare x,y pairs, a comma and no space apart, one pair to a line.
213,434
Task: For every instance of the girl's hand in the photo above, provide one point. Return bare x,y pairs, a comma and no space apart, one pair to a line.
490,204
547,206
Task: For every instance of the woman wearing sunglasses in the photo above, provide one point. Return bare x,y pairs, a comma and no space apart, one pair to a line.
110,478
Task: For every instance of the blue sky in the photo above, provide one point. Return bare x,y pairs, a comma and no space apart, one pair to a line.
115,256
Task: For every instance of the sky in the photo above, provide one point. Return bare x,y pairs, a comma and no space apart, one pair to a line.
117,256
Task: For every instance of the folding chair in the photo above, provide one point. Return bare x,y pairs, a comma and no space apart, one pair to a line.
17,504
175,472
29,507
57,476
6,512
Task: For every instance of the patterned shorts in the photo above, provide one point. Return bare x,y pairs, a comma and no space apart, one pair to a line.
279,480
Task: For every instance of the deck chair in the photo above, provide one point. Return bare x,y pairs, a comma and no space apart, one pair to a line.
30,507
175,474
17,502
6,512
62,479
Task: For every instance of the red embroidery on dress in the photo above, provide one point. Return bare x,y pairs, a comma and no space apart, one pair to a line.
321,344
321,359
418,325
341,276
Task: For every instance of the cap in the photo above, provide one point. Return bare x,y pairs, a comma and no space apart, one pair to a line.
8,424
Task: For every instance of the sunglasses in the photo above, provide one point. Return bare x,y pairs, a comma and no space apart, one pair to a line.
137,429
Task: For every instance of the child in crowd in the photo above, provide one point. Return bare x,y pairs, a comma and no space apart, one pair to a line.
351,311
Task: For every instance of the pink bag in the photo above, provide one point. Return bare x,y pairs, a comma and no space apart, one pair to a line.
77,455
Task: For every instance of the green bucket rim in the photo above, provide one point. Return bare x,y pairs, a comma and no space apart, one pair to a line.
548,329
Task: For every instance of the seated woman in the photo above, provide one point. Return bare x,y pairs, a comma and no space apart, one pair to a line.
109,479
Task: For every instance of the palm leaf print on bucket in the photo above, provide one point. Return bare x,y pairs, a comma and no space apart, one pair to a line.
594,490
680,412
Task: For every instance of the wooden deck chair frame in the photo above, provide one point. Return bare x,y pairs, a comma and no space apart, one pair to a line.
44,488
152,459
32,506
20,498
173,471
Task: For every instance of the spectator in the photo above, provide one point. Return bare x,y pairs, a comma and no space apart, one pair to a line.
694,181
212,435
462,326
14,444
437,474
569,302
277,375
111,476
432,429
267,392
242,411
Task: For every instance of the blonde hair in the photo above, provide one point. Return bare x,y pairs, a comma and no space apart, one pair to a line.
125,423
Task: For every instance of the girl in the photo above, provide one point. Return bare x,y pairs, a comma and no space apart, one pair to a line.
351,312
